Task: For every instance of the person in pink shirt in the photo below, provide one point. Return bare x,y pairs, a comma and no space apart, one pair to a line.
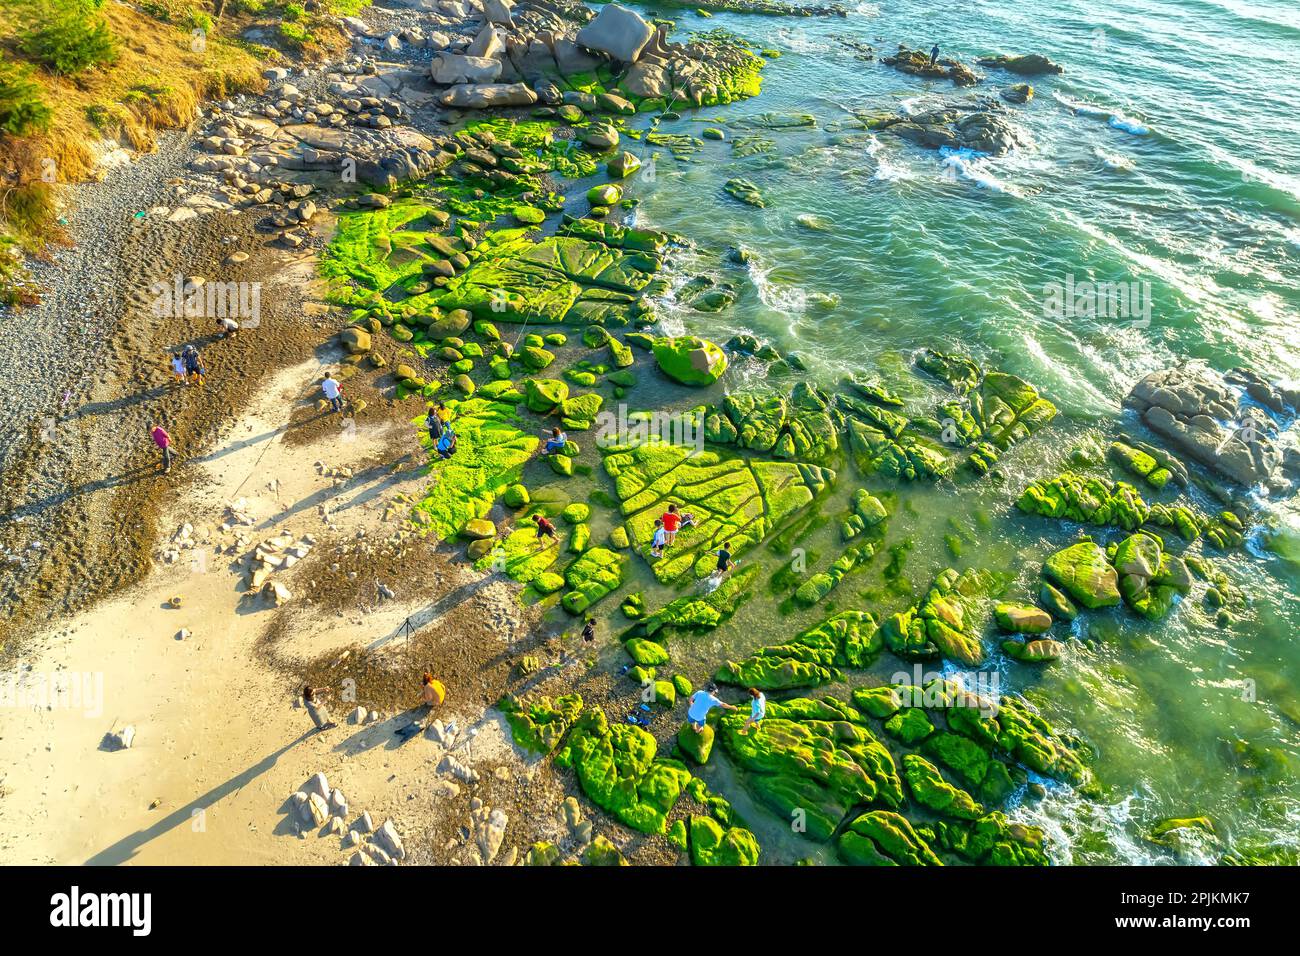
164,443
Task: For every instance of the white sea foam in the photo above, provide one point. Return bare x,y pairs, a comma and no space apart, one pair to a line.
973,166
1114,160
1114,118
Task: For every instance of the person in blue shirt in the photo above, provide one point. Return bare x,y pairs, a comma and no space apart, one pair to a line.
447,444
703,701
934,54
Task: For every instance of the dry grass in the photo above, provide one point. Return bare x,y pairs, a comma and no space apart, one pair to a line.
159,80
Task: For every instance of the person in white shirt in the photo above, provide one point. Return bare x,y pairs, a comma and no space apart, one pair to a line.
333,391
757,710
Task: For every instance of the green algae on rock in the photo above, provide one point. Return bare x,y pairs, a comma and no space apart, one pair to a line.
1084,573
712,845
617,769
702,612
540,724
949,621
810,658
733,498
689,359
490,459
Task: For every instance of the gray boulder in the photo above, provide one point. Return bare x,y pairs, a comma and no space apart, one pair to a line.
452,68
484,95
617,32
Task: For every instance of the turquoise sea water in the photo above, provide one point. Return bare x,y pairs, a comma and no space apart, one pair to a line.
1204,205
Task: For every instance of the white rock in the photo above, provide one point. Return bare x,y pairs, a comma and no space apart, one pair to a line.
317,784
389,841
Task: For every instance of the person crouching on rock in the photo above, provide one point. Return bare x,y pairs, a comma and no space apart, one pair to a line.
432,692
227,327
316,710
555,442
446,444
545,530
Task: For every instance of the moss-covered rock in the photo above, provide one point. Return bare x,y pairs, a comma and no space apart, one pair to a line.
1022,618
712,845
596,573
540,724
881,837
617,769
689,359
489,460
1085,575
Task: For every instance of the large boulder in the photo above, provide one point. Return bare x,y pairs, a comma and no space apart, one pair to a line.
1084,573
498,11
1199,414
489,43
689,359
484,95
617,32
452,68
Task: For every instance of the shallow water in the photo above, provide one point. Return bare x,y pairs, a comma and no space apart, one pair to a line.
1162,157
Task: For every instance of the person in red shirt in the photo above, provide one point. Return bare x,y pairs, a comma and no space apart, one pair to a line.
672,523
164,443
545,530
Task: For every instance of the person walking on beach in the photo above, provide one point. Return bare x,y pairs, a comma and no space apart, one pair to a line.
316,709
757,710
164,443
703,701
555,442
194,369
178,368
446,444
434,424
934,54
672,524
589,630
545,530
659,540
332,391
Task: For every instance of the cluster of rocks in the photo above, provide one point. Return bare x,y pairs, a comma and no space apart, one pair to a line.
318,806
1230,424
277,553
1028,64
981,125
516,61
917,63
186,538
